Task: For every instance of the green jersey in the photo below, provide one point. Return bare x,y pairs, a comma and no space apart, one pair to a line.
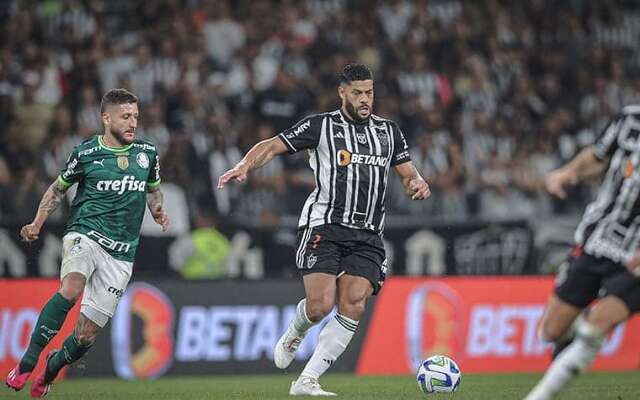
111,197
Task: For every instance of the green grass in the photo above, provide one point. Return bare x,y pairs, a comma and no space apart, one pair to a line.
615,386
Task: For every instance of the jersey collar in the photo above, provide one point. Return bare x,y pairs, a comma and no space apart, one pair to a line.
114,149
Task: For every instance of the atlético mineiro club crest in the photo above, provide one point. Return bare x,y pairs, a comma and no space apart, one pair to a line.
123,161
382,137
362,137
311,260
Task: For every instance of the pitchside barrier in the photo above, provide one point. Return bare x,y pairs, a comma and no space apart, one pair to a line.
167,327
234,251
174,328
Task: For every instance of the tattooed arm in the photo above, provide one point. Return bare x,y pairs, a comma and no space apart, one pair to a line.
154,202
50,201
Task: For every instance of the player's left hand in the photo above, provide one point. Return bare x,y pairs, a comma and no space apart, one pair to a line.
161,217
633,264
237,173
419,189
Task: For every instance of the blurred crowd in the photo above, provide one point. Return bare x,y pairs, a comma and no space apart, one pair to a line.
491,95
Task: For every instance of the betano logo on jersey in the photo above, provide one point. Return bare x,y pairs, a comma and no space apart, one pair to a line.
345,158
128,183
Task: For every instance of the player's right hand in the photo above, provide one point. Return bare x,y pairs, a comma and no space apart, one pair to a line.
633,263
30,232
557,180
237,173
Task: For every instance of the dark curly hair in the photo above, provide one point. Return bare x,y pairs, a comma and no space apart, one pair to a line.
354,72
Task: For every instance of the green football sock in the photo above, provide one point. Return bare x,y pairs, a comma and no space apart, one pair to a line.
71,352
49,322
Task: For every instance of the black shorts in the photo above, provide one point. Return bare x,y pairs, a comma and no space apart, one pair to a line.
335,249
583,278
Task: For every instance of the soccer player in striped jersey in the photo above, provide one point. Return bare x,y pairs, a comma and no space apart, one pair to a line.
117,175
606,257
340,252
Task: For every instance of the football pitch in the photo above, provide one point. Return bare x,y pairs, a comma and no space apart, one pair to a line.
615,386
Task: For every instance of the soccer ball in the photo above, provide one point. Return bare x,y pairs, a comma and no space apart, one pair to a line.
438,374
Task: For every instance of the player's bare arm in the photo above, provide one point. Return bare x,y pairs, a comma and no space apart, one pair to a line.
259,155
415,186
155,204
583,167
49,203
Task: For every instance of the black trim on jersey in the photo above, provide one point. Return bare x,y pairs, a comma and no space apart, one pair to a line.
288,145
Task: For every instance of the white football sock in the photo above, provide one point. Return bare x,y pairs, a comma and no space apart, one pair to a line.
573,360
301,323
334,338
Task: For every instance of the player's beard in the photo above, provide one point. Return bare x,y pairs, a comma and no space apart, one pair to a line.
119,135
353,113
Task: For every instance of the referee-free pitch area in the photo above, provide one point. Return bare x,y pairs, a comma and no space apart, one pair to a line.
615,386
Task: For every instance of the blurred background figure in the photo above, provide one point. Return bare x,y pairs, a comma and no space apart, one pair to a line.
488,107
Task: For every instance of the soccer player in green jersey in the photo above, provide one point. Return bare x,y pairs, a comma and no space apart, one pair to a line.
116,175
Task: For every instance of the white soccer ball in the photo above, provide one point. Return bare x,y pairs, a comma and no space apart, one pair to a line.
438,374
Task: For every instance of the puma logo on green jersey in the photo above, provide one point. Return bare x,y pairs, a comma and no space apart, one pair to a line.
128,183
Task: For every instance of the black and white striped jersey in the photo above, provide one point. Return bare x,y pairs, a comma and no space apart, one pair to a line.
610,226
351,163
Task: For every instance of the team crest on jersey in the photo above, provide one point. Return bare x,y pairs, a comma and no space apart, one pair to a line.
311,260
76,248
382,137
123,162
143,160
362,137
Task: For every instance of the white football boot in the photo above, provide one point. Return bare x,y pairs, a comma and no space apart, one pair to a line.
539,393
285,350
306,386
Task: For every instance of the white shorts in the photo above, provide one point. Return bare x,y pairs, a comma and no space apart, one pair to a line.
107,277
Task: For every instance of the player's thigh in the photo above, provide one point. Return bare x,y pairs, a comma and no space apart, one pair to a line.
608,312
353,292
77,255
104,288
558,317
366,259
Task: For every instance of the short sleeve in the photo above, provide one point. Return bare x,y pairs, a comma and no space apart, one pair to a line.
154,172
303,135
400,147
606,144
72,171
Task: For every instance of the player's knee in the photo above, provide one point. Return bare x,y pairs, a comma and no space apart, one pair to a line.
551,330
318,309
72,286
353,310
